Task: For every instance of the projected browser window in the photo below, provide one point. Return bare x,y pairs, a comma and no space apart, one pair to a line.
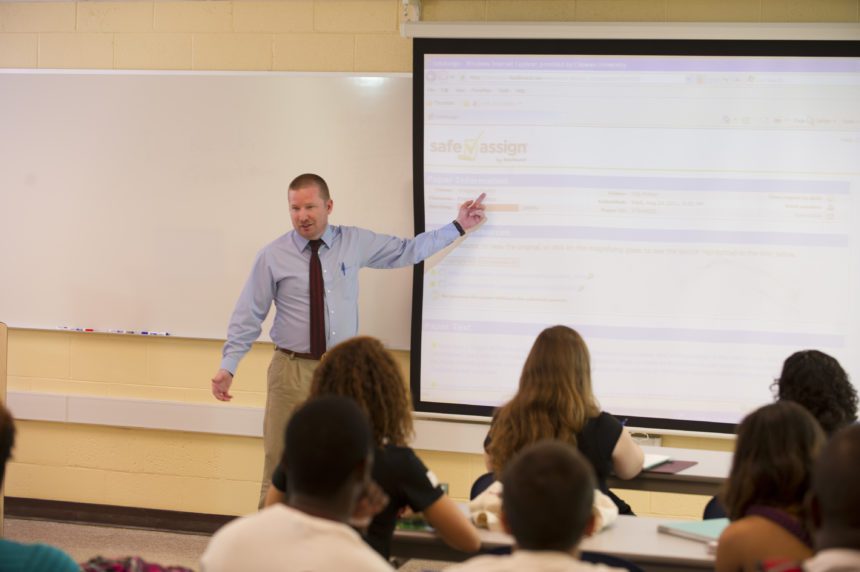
694,218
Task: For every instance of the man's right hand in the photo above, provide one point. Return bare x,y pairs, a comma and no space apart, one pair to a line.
221,385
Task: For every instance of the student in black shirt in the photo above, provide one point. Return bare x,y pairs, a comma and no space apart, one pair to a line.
555,401
361,368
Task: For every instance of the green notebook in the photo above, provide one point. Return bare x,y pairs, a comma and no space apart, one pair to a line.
702,530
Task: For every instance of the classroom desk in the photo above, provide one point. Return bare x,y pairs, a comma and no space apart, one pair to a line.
703,478
630,537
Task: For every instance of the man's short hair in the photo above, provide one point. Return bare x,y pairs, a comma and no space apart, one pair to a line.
326,439
547,495
311,180
7,439
835,479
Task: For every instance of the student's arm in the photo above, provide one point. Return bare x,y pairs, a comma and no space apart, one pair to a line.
729,556
452,526
627,457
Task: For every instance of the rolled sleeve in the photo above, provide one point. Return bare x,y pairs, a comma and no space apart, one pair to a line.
384,251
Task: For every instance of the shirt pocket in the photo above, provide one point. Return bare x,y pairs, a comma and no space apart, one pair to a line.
344,281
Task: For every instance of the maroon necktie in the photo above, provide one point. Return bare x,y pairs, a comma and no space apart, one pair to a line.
317,303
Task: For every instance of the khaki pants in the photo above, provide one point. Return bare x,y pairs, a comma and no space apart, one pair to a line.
289,381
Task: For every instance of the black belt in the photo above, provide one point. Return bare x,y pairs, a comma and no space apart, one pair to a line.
300,355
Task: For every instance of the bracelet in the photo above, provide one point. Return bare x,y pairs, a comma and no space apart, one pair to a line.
459,228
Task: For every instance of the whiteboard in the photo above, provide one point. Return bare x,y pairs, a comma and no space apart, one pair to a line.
138,200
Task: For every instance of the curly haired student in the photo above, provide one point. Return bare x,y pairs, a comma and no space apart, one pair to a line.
816,381
363,370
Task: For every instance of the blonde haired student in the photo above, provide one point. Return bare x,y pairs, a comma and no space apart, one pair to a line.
555,401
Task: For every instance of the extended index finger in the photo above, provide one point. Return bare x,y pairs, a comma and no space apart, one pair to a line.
478,201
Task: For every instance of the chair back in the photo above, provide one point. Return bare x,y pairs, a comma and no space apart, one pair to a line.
481,484
714,509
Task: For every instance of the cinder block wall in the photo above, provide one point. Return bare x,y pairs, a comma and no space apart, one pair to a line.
213,473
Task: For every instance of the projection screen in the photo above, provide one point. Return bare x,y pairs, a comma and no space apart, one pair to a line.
690,207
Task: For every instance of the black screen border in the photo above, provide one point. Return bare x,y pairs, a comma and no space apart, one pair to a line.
607,47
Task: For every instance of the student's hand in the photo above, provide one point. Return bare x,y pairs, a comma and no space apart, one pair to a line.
370,503
472,213
221,385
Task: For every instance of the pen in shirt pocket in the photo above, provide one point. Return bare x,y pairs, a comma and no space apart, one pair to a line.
343,268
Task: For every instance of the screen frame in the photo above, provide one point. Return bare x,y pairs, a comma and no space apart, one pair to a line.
607,47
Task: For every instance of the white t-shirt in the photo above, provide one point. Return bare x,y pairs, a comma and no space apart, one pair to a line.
533,561
280,538
833,560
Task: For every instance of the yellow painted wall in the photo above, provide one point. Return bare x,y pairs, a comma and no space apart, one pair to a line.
211,473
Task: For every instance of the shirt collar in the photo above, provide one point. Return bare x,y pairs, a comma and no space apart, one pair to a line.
302,243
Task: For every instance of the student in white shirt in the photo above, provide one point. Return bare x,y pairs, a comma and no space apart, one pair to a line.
328,458
835,504
547,494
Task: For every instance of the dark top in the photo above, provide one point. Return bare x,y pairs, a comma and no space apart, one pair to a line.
596,442
781,518
406,481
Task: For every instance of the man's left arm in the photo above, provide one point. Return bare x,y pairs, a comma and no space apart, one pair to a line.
383,251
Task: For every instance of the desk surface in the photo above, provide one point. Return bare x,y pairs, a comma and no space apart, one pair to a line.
630,537
703,478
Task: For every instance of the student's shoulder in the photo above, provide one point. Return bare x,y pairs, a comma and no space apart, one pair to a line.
252,524
399,457
485,563
350,553
490,563
403,465
604,423
605,418
37,557
734,542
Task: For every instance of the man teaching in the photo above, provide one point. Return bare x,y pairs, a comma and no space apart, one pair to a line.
311,275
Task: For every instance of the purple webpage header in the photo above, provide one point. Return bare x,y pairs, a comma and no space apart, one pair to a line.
641,183
663,334
641,63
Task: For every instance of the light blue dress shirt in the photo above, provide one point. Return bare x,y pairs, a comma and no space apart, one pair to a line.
280,275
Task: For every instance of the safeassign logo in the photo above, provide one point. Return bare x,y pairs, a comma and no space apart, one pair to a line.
470,149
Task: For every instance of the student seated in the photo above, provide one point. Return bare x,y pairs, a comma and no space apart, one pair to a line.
328,456
555,401
817,381
362,369
835,504
770,476
547,493
15,557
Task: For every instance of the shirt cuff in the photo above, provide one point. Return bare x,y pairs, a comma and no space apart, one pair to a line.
230,364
